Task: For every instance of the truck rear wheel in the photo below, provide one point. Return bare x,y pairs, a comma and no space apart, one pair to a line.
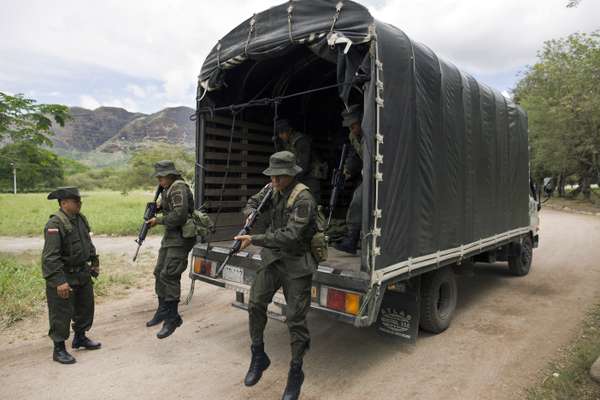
519,261
438,300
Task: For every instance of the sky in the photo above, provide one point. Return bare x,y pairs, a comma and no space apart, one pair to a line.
146,55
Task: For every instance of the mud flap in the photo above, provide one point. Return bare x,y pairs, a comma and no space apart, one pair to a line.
400,310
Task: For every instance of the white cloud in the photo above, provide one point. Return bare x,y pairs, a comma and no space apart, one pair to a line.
166,42
488,37
136,90
88,102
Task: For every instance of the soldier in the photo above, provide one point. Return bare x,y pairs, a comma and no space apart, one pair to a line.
176,206
69,260
287,262
300,144
353,168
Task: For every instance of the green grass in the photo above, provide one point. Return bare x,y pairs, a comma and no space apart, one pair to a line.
22,288
109,213
568,377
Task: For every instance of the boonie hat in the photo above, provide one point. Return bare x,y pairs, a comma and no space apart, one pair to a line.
282,163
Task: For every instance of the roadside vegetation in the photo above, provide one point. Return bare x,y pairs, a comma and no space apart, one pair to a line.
109,213
568,377
23,290
561,94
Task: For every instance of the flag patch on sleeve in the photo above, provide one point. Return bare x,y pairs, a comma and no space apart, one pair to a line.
52,231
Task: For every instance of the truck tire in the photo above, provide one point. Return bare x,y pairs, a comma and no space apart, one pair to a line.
438,300
519,261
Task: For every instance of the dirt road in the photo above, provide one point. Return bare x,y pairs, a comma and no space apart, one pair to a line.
505,332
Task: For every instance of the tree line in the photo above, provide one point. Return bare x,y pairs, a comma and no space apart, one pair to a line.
560,92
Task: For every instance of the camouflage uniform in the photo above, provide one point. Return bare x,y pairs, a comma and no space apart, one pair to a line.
300,144
177,203
286,262
69,257
176,208
353,167
67,250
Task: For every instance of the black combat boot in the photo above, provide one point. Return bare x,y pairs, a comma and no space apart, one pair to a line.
80,340
61,355
160,314
172,320
349,243
260,362
294,382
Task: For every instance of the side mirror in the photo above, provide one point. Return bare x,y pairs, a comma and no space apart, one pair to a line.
548,187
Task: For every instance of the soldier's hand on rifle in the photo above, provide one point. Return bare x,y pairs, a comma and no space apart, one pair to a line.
95,267
63,290
245,239
152,222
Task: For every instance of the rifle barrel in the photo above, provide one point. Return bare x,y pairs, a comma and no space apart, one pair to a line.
137,252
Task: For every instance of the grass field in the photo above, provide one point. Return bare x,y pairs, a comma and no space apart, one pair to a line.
110,213
568,377
22,288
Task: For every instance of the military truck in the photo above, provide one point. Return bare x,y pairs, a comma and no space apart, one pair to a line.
445,174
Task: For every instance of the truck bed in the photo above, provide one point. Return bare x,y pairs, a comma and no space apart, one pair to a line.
340,268
336,260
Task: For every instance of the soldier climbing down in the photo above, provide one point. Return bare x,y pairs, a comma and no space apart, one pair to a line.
177,205
287,262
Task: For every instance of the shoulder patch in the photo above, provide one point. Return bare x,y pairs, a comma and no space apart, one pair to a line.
302,212
177,199
52,231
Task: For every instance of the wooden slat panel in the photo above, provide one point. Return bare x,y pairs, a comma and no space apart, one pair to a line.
224,203
233,168
238,135
210,155
250,125
228,218
232,192
234,181
239,146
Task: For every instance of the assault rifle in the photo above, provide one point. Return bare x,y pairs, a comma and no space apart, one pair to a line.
337,183
149,213
246,229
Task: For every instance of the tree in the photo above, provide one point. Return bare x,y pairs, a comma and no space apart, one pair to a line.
561,94
141,164
37,168
21,119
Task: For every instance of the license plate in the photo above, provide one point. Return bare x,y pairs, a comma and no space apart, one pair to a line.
233,274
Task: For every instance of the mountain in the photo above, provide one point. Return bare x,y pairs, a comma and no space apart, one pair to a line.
112,129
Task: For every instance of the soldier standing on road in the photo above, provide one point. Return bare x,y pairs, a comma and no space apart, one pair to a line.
69,261
287,262
177,205
353,168
301,145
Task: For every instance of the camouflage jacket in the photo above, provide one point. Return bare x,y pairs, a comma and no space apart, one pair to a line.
300,145
289,231
353,163
176,206
67,249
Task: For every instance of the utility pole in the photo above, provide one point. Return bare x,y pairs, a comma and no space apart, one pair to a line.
14,166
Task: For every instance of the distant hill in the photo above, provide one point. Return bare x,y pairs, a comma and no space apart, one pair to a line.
111,129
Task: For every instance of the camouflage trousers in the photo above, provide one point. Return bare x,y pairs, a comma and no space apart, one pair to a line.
297,296
171,263
79,308
354,216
